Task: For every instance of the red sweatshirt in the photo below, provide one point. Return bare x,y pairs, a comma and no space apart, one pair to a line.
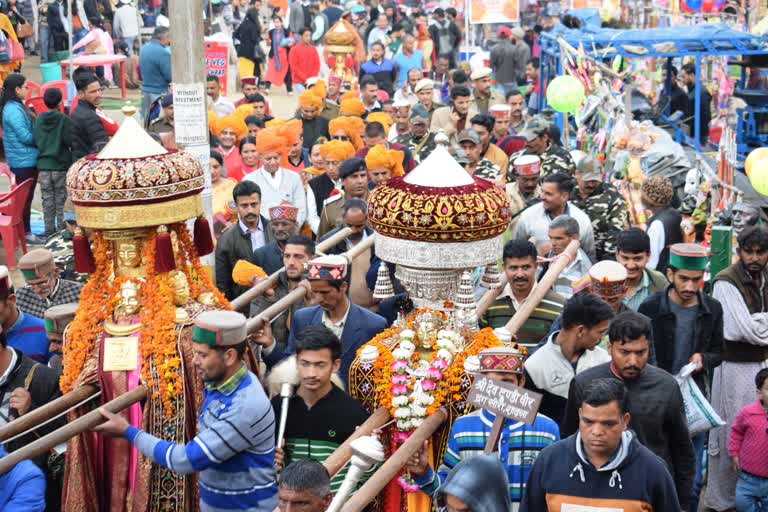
304,62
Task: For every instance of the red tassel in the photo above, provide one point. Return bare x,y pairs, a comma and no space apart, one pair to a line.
164,260
203,239
84,262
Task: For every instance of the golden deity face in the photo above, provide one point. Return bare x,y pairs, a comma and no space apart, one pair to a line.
180,288
427,326
129,302
128,254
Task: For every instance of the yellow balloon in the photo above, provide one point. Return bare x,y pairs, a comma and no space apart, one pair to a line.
754,157
759,177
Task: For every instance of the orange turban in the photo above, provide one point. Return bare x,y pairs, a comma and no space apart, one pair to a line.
234,123
269,140
337,149
319,88
345,124
277,121
347,95
212,120
243,111
290,131
379,157
380,117
309,99
356,124
351,107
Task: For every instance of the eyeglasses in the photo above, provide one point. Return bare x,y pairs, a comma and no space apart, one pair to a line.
340,137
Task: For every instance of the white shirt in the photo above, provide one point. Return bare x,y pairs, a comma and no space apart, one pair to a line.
284,185
349,243
656,234
408,96
257,237
337,327
313,218
223,107
535,221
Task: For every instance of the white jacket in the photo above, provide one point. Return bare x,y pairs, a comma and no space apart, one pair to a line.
126,21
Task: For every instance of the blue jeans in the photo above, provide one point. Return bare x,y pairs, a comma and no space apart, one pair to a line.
751,493
146,100
698,449
46,39
129,41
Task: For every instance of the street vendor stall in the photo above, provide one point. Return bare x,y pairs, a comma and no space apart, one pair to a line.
711,40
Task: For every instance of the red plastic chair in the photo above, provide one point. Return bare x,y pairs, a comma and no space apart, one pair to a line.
12,222
34,89
36,104
5,172
56,84
73,104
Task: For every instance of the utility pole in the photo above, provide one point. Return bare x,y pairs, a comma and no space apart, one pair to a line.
188,74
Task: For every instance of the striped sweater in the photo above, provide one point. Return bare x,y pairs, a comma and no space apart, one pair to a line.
315,432
535,327
519,445
234,450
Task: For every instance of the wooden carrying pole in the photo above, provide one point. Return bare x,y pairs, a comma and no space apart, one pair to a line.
300,292
395,462
545,283
489,297
45,412
249,295
80,425
343,453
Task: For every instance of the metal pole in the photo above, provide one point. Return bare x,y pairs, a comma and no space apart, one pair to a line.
697,105
189,100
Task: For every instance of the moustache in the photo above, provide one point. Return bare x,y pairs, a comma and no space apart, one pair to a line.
631,368
520,280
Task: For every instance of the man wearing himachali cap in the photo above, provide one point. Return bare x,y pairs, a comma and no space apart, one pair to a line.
282,222
57,319
234,449
22,331
44,287
353,325
519,444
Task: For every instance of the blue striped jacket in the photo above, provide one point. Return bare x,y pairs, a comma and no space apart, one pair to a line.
234,450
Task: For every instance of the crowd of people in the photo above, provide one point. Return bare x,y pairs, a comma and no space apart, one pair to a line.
627,314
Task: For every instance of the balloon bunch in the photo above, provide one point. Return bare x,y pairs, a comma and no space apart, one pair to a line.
703,6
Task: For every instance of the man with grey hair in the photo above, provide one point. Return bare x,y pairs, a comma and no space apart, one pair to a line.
155,68
562,231
305,485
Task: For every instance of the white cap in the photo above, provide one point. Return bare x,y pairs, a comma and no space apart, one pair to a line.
402,103
424,83
481,73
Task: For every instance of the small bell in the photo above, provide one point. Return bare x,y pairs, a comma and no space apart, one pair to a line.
383,289
491,276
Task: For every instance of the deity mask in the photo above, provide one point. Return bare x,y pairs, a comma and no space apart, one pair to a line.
743,215
427,326
180,288
129,302
128,254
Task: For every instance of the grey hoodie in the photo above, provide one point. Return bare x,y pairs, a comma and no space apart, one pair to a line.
480,482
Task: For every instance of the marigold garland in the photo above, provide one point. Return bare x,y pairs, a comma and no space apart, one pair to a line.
93,309
201,281
157,339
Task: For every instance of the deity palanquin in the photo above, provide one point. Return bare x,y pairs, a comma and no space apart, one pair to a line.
436,223
133,326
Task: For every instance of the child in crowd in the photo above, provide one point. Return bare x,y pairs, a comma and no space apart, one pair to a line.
53,138
748,445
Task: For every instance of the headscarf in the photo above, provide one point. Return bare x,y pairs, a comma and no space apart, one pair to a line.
269,140
379,157
309,98
351,107
233,122
348,126
337,149
380,117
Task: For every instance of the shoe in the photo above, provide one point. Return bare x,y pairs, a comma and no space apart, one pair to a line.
33,239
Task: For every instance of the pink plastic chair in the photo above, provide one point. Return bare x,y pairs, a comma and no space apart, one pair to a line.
56,84
34,89
12,222
5,172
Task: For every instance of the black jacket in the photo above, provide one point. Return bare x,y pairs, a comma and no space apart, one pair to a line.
657,415
269,258
249,35
88,134
707,333
321,186
232,246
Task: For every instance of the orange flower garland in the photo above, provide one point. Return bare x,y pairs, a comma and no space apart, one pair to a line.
201,281
93,309
450,387
157,340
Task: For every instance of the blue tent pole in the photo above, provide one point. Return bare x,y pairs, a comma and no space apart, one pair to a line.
697,106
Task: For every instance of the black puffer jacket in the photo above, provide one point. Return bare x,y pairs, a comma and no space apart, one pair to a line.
249,35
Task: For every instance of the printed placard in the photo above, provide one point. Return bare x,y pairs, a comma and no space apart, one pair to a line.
121,354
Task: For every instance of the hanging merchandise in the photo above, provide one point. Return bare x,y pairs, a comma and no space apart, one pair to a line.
565,94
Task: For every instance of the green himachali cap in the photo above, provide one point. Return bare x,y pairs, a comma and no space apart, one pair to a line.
36,263
219,328
57,318
688,257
